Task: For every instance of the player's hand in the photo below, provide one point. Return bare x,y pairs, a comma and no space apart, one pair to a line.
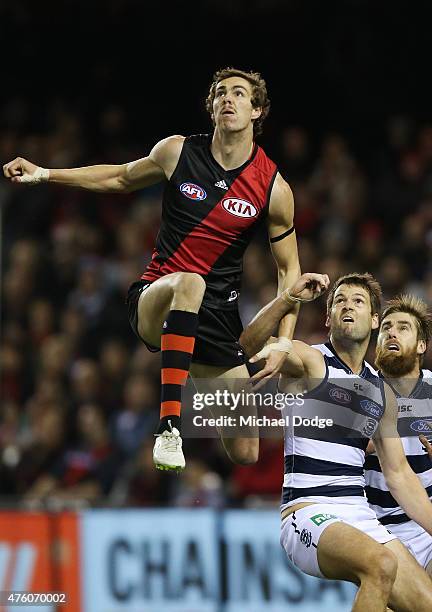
275,355
427,445
308,287
21,170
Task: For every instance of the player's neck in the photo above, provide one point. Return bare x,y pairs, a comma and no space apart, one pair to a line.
405,383
232,149
351,353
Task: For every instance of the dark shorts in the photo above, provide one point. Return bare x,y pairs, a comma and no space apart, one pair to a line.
217,336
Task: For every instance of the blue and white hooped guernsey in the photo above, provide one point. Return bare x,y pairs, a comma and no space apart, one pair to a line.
326,465
414,415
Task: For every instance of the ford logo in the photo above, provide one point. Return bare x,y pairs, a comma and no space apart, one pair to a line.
192,191
421,426
371,408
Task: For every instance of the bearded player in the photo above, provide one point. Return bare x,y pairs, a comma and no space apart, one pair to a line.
404,334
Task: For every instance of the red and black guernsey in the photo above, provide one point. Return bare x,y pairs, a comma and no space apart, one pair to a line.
209,216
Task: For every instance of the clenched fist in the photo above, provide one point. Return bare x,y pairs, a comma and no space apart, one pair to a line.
20,170
307,287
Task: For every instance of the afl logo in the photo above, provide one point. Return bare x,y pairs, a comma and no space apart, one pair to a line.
421,427
239,208
340,395
192,191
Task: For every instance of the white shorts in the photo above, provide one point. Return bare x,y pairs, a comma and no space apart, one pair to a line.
301,530
416,539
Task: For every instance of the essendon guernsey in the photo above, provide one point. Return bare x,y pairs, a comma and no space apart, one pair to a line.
208,218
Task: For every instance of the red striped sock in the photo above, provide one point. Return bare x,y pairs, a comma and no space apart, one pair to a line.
177,345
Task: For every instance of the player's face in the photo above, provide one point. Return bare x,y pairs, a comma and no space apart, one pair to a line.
232,105
398,348
350,317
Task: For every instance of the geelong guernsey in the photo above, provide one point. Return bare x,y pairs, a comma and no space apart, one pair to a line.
325,465
414,412
209,216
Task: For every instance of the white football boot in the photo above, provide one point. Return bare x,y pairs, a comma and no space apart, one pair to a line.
167,451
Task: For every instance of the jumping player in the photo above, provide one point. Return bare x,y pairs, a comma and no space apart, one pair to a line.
404,334
328,528
218,188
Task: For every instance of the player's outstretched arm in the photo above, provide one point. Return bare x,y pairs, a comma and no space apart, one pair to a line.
306,288
403,483
280,356
122,178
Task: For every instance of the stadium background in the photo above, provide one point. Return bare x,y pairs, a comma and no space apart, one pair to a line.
101,82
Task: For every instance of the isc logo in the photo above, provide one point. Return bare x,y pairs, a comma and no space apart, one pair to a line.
239,208
192,191
405,408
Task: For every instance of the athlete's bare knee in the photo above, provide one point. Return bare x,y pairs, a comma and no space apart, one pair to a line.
387,565
381,569
188,287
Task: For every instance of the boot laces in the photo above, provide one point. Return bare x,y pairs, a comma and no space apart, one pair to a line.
171,441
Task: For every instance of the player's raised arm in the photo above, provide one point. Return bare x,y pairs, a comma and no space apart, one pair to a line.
121,178
283,243
402,482
305,289
295,359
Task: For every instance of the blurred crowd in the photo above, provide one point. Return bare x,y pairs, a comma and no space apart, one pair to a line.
79,392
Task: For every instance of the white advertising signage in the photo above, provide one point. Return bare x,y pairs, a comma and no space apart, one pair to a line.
150,561
196,561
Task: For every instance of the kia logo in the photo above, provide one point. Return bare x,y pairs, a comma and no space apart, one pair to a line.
239,208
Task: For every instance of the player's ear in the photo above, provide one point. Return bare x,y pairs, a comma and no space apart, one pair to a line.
375,321
421,347
327,321
256,112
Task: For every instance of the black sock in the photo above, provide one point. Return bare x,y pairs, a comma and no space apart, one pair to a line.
165,422
177,345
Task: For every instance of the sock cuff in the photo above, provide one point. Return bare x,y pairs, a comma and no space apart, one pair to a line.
164,425
180,322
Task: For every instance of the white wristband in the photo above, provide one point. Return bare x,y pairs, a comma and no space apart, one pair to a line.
283,345
40,175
